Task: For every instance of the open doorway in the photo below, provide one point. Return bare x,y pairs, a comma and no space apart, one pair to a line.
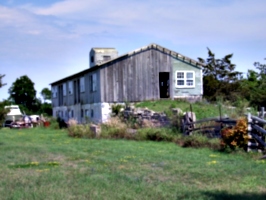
164,84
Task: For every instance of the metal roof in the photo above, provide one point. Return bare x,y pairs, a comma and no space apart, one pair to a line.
151,46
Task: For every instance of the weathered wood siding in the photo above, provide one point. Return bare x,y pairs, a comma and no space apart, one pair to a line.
134,77
92,96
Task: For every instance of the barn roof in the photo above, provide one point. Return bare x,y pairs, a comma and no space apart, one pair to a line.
144,48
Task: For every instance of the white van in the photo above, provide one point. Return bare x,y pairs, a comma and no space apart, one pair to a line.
13,115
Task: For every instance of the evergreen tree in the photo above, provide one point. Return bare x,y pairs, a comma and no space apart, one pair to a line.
219,77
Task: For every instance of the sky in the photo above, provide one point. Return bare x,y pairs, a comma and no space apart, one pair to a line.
50,39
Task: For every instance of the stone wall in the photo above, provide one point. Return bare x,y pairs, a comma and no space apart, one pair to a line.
143,114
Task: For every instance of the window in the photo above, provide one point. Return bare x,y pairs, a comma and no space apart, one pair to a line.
81,113
185,79
93,82
82,84
70,87
64,89
92,113
54,91
92,59
87,113
72,113
106,58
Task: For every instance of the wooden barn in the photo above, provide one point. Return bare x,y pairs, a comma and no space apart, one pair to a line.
148,73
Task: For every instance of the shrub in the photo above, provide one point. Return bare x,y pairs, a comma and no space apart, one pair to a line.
53,123
61,123
116,108
199,141
72,122
156,134
114,128
147,124
79,130
235,137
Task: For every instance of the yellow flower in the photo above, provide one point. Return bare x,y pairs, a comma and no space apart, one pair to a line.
260,161
42,170
34,163
213,155
212,162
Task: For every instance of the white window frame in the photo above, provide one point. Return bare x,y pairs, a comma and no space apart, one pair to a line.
82,84
187,80
70,87
64,89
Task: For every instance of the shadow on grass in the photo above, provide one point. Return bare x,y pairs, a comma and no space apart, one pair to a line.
223,195
218,195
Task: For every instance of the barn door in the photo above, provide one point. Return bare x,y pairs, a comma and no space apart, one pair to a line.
164,84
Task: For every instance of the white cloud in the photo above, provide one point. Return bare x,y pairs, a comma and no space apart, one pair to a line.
61,34
229,20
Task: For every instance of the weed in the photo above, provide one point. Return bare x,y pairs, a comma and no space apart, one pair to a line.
79,130
155,134
116,108
199,141
114,128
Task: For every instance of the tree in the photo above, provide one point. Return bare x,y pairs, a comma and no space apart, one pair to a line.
253,88
260,67
46,94
3,111
1,83
22,92
219,77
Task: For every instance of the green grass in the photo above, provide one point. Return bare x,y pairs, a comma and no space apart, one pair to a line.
47,164
201,109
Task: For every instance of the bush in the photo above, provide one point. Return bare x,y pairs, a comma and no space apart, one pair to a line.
235,137
156,134
199,141
80,131
116,108
3,113
114,128
53,123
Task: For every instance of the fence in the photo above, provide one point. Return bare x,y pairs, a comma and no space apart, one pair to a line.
212,129
256,133
256,130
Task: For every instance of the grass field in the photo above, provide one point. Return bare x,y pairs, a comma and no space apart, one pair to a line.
201,109
47,164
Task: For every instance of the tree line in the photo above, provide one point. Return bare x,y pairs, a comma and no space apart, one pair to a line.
221,80
23,93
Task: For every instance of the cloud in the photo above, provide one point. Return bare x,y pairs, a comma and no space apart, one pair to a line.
226,20
55,37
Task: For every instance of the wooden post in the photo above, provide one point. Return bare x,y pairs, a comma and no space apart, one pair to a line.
262,113
249,133
191,108
220,112
253,145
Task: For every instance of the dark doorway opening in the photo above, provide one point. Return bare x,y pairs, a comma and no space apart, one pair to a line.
164,84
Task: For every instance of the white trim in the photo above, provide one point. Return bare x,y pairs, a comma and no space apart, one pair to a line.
201,79
185,79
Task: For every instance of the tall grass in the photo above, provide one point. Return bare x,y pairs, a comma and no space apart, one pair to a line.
202,109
